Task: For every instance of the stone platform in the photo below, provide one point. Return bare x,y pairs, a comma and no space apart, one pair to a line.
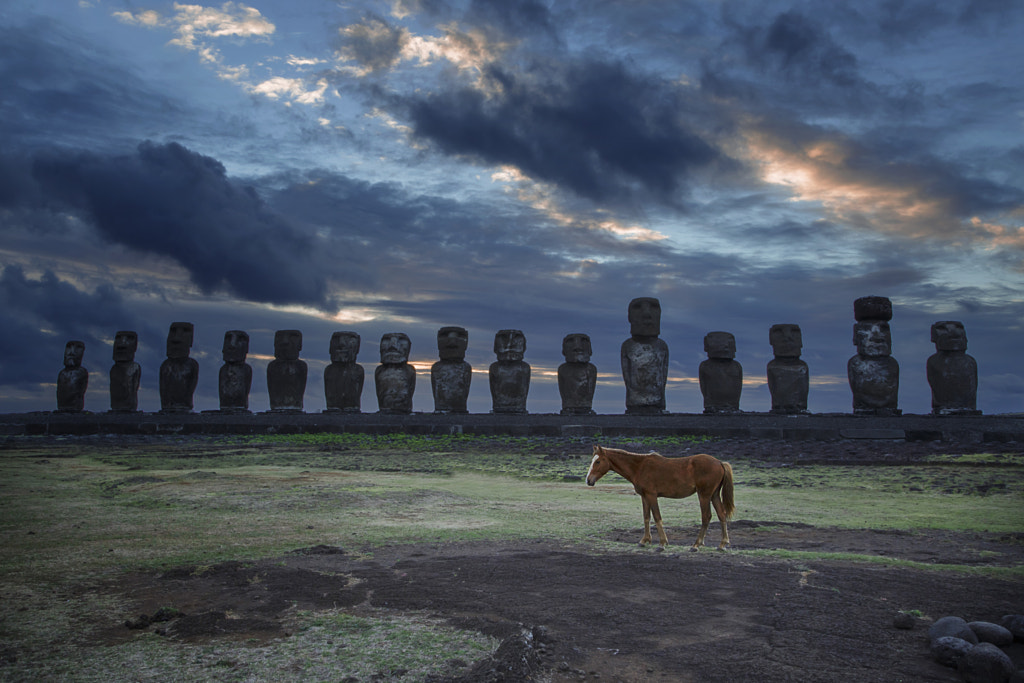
822,427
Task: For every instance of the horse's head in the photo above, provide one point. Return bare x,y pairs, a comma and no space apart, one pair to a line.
599,466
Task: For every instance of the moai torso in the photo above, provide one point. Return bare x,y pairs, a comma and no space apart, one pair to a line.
644,359
510,374
721,376
395,378
451,376
73,380
577,376
343,377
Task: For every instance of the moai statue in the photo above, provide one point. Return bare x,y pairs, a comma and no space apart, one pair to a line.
286,374
645,359
395,378
721,375
952,374
179,374
73,380
510,374
126,374
873,373
577,376
343,377
788,376
235,378
450,377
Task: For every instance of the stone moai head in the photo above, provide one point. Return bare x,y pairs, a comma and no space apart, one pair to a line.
287,344
510,345
344,347
720,345
74,352
395,348
786,340
236,346
125,344
872,338
949,335
452,343
576,348
645,317
179,340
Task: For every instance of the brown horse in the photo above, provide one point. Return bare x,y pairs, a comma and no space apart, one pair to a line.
655,476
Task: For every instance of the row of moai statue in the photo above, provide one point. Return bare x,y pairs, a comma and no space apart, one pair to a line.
873,373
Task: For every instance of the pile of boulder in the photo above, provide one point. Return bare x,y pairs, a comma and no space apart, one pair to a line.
975,648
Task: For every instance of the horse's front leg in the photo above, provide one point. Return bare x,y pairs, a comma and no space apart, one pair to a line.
705,519
662,538
645,539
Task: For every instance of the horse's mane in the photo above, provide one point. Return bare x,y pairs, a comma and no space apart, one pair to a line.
620,451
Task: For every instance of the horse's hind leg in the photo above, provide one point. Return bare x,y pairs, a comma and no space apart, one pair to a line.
662,538
705,519
646,538
716,500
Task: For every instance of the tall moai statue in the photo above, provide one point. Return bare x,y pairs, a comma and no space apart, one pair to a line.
395,377
510,374
450,376
721,375
125,374
343,377
577,376
952,374
73,380
873,373
179,374
788,376
645,359
235,378
286,374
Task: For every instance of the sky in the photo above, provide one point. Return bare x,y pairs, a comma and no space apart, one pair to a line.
510,164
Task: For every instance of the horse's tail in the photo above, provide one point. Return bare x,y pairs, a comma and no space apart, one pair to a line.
728,502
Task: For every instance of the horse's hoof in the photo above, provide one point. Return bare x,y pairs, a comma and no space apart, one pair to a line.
694,548
660,549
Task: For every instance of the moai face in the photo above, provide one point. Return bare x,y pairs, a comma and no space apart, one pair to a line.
949,335
287,344
395,348
452,343
720,345
576,348
236,346
872,338
510,345
786,340
344,347
645,317
74,351
179,340
125,345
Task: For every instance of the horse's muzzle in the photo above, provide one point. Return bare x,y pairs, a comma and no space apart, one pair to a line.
590,482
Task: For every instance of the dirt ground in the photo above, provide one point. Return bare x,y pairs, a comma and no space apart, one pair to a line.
569,614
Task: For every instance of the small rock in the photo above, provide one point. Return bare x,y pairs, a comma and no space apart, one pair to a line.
985,663
988,632
948,651
954,627
1014,623
904,621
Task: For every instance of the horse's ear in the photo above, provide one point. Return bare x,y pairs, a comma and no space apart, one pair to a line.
597,450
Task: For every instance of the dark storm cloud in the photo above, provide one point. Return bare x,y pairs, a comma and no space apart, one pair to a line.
593,127
374,43
170,201
521,18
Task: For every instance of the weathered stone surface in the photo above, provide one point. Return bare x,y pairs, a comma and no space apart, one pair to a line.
1014,623
510,375
235,377
949,650
343,377
788,376
873,374
872,308
577,376
952,374
985,663
451,376
395,378
721,376
126,374
644,359
286,374
904,621
179,374
988,632
954,627
73,380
